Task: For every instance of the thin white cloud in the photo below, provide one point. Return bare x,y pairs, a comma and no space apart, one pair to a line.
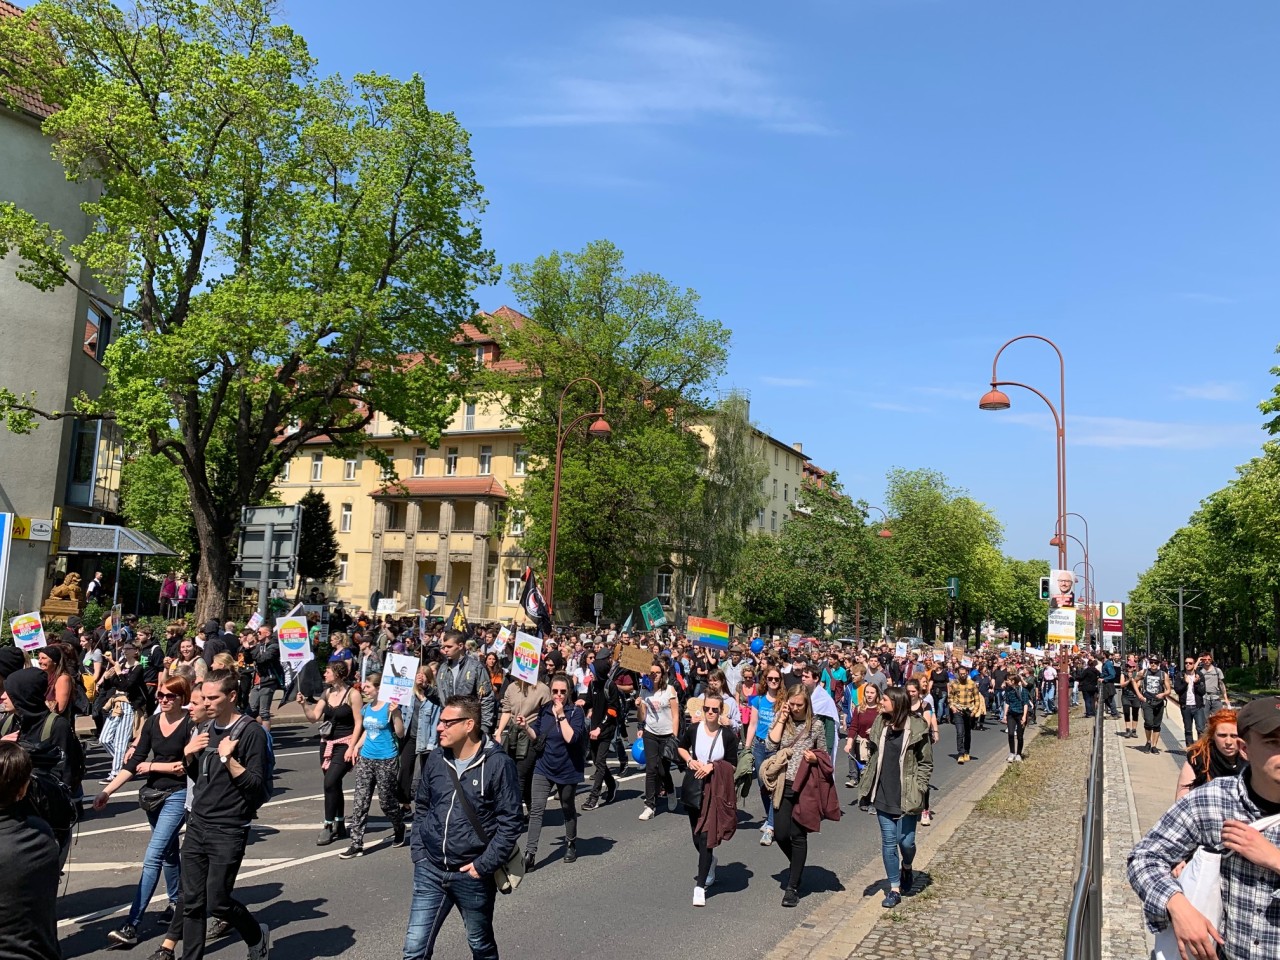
1210,390
789,381
891,407
1122,433
667,71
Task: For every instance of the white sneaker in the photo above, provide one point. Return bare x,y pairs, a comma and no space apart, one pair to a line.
1010,758
766,836
263,949
1017,758
711,874
648,813
699,897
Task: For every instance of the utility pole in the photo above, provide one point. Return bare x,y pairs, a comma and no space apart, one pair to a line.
1182,651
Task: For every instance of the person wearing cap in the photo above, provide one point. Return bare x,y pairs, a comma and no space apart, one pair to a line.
1226,814
1129,703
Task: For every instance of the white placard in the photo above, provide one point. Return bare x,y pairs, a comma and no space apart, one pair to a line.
398,672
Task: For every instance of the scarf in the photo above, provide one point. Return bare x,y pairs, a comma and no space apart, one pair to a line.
1220,765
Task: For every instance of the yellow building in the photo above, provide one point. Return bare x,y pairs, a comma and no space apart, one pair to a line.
445,513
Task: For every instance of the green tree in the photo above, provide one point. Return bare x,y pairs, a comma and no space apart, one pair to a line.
317,539
288,255
769,590
654,356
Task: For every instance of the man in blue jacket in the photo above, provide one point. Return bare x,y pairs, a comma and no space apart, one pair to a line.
453,865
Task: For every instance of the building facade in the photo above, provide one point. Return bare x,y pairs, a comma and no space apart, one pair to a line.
64,470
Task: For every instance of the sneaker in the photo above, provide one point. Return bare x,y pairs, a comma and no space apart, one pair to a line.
401,838
648,814
1017,758
166,915
126,936
699,897
1009,759
864,807
766,837
263,949
960,759
926,818
340,830
851,783
610,794
908,880
791,898
327,836
530,863
591,804
355,850
162,953
891,899
217,929
711,874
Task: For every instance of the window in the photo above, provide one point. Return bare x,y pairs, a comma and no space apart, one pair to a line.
284,473
773,520
521,460
479,355
420,462
469,417
514,584
786,492
664,585
97,333
317,466
491,584
344,519
775,458
395,515
451,461
349,469
517,523
344,567
486,460
760,518
775,488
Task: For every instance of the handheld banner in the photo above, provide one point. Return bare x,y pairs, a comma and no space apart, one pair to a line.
525,656
28,631
295,645
709,633
398,672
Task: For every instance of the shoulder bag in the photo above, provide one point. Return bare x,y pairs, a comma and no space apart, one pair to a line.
509,874
691,786
1201,883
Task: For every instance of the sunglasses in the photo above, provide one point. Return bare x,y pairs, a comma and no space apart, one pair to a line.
167,696
560,693
444,722
710,709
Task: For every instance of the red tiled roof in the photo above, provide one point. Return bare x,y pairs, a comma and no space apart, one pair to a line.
444,487
24,100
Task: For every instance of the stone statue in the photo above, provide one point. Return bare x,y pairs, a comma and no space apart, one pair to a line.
65,600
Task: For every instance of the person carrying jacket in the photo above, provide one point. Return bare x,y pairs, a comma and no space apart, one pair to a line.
703,745
901,763
603,705
1189,685
453,863
462,674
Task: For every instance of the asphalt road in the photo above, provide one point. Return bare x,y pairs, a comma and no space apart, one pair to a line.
630,889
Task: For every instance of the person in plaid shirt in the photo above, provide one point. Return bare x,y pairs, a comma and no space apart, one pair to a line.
1216,816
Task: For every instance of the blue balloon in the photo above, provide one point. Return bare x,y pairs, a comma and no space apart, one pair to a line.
757,645
637,751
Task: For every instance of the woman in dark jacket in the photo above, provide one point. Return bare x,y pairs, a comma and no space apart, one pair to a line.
701,745
558,735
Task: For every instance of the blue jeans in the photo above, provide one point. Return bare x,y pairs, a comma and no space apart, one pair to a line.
161,855
1050,698
897,834
940,707
759,753
435,894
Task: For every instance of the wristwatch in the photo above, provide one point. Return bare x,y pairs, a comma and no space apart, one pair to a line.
223,759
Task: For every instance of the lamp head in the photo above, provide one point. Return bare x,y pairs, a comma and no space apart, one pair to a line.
1055,541
885,532
600,430
994,399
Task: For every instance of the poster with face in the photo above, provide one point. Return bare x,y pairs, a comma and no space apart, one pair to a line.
1062,590
398,673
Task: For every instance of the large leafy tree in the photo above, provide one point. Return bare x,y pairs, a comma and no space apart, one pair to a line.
655,357
286,254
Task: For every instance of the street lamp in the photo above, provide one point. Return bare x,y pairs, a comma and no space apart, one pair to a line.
997,399
885,532
599,430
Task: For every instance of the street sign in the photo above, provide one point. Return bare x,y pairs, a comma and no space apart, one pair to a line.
262,562
953,587
429,598
598,603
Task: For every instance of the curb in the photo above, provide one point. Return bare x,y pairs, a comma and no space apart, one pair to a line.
836,929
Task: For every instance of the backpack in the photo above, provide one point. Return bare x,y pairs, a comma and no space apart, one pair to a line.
48,796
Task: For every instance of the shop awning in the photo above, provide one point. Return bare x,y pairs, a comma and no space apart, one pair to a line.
109,538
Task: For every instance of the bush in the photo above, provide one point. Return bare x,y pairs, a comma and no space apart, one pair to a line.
94,614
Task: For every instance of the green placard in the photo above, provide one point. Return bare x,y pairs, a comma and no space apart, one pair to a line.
653,614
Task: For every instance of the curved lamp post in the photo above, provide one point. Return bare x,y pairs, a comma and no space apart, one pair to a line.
599,430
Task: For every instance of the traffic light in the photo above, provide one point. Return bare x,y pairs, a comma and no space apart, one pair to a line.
1044,588
953,587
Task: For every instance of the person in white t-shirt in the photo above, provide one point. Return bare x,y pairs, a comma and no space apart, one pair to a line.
1049,679
659,712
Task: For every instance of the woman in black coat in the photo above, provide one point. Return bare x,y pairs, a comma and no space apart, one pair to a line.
701,745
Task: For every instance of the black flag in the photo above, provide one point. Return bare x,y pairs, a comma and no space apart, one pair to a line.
534,606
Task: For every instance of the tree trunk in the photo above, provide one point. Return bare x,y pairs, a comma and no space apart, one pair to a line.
214,544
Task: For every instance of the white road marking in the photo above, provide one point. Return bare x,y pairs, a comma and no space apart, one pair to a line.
144,826
73,867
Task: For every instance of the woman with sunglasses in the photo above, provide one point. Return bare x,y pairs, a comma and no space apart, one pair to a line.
558,736
659,711
701,745
795,729
157,755
340,708
764,707
377,756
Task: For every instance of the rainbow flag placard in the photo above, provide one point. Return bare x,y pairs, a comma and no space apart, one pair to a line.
709,633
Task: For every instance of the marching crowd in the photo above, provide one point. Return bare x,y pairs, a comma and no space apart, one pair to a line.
465,765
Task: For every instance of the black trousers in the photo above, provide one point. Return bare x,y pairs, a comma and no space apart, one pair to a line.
1016,733
211,856
335,804
700,844
603,780
657,771
524,767
964,727
792,838
408,758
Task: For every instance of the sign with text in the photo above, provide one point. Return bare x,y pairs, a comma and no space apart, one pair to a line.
900,648
653,614
525,656
386,605
1062,625
28,631
636,659
295,644
398,673
1112,618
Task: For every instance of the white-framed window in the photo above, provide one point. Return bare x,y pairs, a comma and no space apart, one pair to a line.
451,461
420,462
469,417
760,518
786,493
775,488
486,460
349,469
664,585
517,523
514,584
521,461
284,474
317,466
491,584
344,519
479,355
773,520
344,567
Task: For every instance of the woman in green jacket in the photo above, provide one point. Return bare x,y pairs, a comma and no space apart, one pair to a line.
901,758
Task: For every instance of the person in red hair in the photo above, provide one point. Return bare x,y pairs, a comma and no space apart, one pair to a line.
1215,754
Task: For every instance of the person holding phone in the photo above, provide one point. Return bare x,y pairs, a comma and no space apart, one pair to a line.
558,738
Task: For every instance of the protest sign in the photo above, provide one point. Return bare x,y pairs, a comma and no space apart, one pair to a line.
938,658
254,622
295,645
967,663
709,633
636,659
900,648
386,605
525,657
1062,625
398,672
500,642
28,631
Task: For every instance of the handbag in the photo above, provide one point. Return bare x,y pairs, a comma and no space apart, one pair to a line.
691,786
325,729
1201,883
509,874
151,799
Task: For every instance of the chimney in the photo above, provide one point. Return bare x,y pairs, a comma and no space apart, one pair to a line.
798,447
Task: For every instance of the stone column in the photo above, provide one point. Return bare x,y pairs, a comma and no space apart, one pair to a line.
442,551
409,583
375,563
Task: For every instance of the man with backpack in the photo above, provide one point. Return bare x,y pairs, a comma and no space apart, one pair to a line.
228,761
1153,688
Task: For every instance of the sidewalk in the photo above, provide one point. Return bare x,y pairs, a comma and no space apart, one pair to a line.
987,884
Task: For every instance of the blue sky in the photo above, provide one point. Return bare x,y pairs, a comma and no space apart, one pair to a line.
875,194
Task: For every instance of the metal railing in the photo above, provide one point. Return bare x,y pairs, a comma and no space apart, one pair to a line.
1084,920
